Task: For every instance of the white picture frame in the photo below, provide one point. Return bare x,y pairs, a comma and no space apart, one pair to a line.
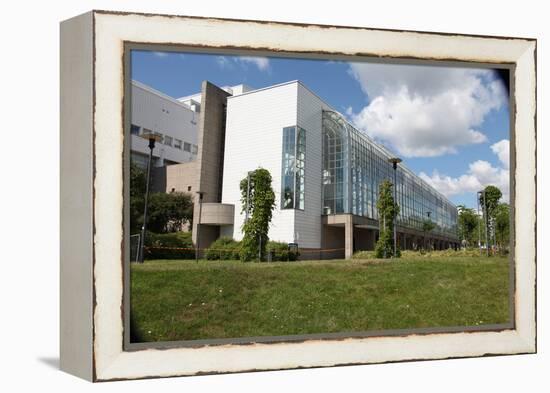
92,197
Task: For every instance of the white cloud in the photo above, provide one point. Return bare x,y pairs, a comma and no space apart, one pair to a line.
480,174
261,62
502,150
423,111
223,62
160,54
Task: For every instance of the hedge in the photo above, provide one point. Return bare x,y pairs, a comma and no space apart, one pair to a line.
280,251
178,246
224,248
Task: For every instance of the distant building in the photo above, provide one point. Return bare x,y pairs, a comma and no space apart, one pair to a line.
174,121
326,173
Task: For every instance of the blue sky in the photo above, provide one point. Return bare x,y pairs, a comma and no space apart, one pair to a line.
451,125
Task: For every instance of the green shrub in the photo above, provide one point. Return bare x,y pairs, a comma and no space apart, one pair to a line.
364,255
471,252
280,251
174,245
422,254
224,248
384,246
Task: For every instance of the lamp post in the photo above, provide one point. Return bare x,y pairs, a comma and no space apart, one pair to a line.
486,218
197,249
247,196
394,161
479,225
152,138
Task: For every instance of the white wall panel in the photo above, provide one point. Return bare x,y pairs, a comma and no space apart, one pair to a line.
308,222
163,114
254,133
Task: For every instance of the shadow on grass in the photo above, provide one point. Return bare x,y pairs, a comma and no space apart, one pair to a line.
136,334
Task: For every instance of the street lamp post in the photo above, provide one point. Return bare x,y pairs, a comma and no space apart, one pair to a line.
486,219
152,138
247,196
394,161
479,224
197,249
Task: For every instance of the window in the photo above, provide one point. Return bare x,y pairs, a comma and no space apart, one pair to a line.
139,160
159,134
188,188
177,143
186,146
146,131
195,149
168,140
293,168
134,130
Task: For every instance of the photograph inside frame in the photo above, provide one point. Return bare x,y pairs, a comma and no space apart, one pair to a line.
291,197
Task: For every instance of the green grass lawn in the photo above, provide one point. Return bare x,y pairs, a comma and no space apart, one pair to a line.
183,300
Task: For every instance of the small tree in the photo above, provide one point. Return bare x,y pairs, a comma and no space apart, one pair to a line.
137,197
489,201
258,200
387,211
467,224
168,212
502,226
427,227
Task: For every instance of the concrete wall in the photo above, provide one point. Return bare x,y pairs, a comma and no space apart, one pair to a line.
210,159
217,213
178,177
254,136
333,241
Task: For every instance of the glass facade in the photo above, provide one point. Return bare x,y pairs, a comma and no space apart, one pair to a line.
354,166
293,168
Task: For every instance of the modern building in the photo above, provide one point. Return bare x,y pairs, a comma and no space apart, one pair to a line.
326,174
174,121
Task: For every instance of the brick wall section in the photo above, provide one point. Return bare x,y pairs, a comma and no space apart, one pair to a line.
211,140
178,177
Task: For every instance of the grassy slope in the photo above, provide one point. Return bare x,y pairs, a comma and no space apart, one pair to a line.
182,300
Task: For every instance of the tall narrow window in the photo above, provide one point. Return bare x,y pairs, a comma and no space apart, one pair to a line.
293,168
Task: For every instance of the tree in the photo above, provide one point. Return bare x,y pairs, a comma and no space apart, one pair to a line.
258,200
168,212
427,227
502,226
467,224
387,211
137,197
492,195
489,201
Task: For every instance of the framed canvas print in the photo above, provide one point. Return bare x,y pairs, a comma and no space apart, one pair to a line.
248,195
